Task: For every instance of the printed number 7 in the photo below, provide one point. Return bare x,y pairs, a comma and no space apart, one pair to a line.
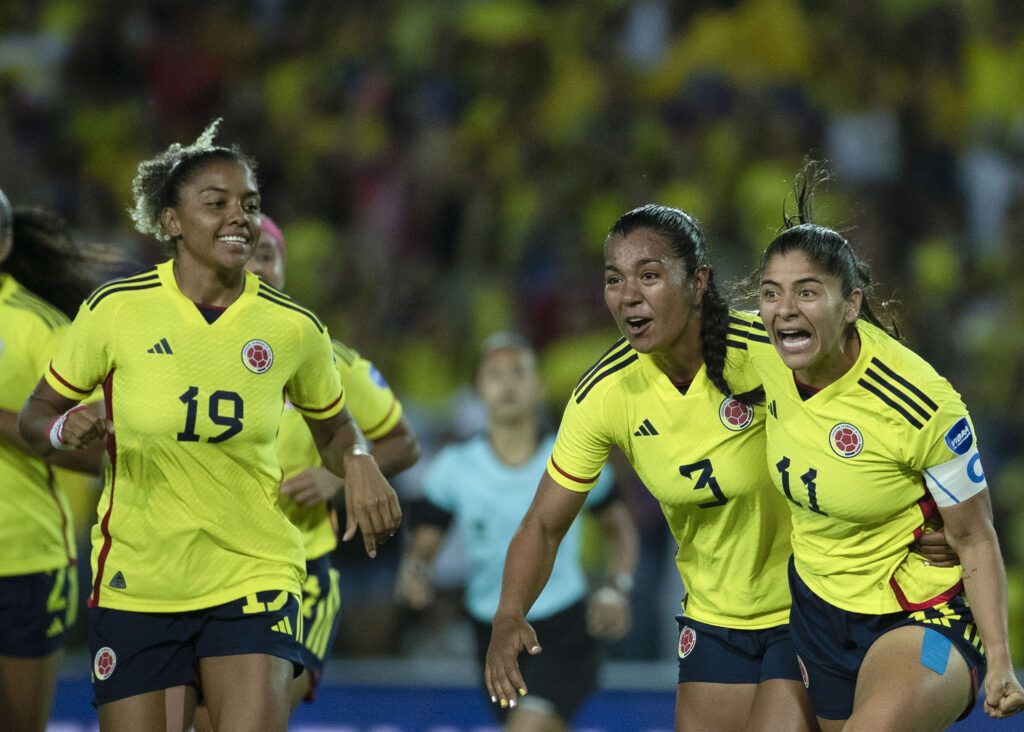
705,480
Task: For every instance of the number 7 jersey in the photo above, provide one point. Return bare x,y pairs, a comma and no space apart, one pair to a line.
188,515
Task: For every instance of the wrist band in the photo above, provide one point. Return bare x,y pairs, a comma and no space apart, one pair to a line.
58,425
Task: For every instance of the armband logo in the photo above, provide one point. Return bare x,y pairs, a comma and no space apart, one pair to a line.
257,356
735,415
975,472
846,440
960,438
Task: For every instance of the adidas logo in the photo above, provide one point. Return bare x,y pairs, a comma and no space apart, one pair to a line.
117,582
772,409
646,429
161,347
284,626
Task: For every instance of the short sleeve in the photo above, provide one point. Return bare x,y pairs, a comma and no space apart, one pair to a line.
945,451
85,355
581,447
315,388
603,488
369,398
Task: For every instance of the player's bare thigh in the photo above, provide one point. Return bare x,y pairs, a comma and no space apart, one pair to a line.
706,707
781,705
247,691
26,691
895,690
165,709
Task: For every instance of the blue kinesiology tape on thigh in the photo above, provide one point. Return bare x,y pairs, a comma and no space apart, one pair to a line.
935,649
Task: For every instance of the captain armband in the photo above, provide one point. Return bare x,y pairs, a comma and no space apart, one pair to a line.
955,481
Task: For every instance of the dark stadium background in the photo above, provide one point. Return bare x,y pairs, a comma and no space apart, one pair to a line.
446,169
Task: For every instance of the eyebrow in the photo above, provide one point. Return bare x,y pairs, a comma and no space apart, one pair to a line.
641,263
218,189
801,281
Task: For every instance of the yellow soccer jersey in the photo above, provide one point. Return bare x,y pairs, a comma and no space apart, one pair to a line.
188,515
851,461
35,518
374,408
702,456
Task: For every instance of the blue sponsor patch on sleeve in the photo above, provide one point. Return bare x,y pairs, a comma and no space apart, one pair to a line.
378,378
960,438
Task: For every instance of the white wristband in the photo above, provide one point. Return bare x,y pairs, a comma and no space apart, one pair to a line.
58,425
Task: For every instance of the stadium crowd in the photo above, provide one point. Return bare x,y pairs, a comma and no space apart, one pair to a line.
445,170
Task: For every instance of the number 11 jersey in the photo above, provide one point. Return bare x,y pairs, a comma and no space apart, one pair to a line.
188,515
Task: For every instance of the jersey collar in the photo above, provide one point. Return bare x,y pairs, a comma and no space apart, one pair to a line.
188,309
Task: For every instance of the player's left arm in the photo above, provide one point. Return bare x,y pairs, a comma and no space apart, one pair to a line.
972,535
371,504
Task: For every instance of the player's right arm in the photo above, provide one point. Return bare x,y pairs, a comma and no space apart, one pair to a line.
528,563
50,421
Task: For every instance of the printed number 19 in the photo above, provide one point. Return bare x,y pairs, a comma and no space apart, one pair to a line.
232,422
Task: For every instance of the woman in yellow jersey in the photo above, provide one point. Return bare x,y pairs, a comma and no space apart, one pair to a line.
663,396
196,570
866,441
42,269
308,488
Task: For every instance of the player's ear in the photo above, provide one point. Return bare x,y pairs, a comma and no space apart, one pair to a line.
853,304
169,220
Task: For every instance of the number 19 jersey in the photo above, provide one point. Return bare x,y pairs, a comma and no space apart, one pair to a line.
701,454
189,514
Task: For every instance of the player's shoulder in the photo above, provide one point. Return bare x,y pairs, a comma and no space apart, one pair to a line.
900,383
347,357
282,305
614,366
124,289
32,310
745,330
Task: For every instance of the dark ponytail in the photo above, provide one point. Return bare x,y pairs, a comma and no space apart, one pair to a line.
46,259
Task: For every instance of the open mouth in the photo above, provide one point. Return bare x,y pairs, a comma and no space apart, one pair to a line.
794,339
636,325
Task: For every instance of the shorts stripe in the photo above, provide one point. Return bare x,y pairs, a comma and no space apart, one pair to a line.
326,610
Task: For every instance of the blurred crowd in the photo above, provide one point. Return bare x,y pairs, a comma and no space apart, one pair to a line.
443,170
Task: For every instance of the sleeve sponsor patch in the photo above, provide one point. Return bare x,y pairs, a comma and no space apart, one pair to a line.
959,438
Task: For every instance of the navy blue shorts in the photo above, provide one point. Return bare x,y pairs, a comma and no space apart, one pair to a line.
565,673
718,655
831,643
36,611
134,652
321,600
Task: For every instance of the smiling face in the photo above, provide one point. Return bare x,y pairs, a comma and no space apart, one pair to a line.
216,221
808,319
654,303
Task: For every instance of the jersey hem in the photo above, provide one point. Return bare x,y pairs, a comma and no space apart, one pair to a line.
220,598
36,568
774,620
